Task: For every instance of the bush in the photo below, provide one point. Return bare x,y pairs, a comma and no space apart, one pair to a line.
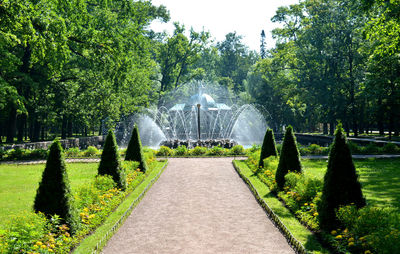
268,147
216,150
369,228
391,148
54,195
254,148
75,152
237,150
109,162
90,151
198,150
341,185
181,150
38,154
164,151
134,152
289,159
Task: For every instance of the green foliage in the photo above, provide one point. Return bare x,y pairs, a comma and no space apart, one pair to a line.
53,196
72,152
341,185
268,147
237,150
90,151
110,162
198,151
289,159
134,152
181,150
391,148
369,228
164,151
216,150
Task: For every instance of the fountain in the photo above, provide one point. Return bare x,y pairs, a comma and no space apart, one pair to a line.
196,121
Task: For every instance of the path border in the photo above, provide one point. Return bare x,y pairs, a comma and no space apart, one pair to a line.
103,241
294,243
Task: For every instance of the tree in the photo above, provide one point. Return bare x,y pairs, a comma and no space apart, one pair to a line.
54,197
289,159
263,50
268,147
134,152
341,185
110,163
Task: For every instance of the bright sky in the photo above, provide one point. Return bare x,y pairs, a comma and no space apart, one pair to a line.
220,17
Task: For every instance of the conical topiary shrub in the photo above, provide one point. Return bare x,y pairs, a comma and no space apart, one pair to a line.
53,197
289,159
134,151
268,147
341,185
109,163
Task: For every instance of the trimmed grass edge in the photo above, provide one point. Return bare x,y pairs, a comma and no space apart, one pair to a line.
95,242
296,245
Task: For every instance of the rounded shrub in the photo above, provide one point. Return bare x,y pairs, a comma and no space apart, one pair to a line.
237,150
268,147
390,148
110,163
134,152
289,159
53,197
164,151
198,150
72,152
181,150
341,185
216,150
90,151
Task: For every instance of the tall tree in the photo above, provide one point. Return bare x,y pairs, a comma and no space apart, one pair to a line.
263,50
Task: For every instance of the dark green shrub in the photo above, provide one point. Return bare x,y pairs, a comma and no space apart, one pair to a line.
54,195
38,154
90,151
341,185
181,150
371,148
134,152
165,151
254,148
391,148
354,148
237,150
109,162
268,147
2,154
289,159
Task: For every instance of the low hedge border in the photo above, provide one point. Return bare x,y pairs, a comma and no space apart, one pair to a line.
99,246
296,245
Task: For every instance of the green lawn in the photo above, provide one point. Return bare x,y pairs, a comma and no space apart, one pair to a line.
380,179
18,184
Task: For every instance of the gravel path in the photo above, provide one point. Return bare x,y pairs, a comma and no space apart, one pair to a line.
198,205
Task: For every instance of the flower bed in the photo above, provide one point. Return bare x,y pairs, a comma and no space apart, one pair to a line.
33,233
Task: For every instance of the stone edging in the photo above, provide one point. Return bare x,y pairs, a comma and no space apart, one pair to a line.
100,244
296,245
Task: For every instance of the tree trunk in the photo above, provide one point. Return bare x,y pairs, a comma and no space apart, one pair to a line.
64,127
69,127
21,127
331,128
12,124
325,128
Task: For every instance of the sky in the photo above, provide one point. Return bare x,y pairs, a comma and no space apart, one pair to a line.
220,17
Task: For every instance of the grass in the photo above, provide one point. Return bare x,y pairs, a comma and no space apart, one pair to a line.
18,184
300,232
380,179
89,243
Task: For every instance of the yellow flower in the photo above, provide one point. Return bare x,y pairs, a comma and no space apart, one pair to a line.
339,237
315,214
43,246
50,250
351,244
35,247
333,232
351,239
367,252
306,204
39,243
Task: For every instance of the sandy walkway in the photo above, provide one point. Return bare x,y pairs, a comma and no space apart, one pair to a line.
198,206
